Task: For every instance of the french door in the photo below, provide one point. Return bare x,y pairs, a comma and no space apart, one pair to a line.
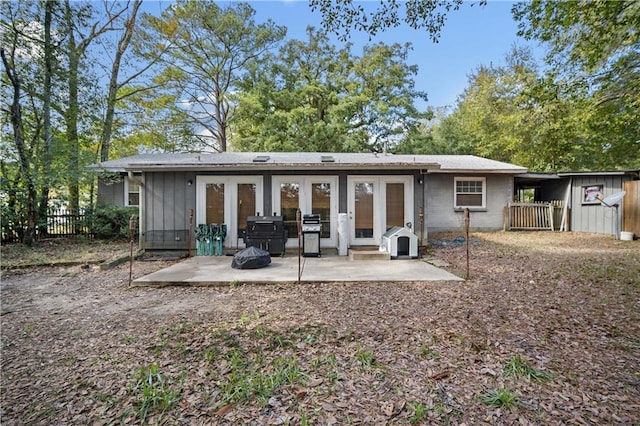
312,195
377,203
228,200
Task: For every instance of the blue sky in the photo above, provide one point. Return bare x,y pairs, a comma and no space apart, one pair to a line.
472,36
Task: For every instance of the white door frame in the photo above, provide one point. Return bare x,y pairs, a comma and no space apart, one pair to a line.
379,204
230,197
305,195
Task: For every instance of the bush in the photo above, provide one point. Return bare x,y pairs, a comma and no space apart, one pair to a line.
112,222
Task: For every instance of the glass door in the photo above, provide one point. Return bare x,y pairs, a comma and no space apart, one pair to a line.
363,210
312,195
377,203
228,200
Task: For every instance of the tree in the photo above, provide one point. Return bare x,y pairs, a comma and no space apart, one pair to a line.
315,97
208,49
114,84
48,56
594,56
341,16
16,124
24,75
77,43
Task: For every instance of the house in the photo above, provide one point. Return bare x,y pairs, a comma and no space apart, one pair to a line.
583,192
426,193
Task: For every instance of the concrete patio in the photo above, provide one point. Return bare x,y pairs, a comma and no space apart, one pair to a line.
217,270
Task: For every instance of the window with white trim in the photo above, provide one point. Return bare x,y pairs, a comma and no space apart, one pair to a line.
470,192
132,191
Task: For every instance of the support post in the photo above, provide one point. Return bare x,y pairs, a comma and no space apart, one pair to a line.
298,225
467,219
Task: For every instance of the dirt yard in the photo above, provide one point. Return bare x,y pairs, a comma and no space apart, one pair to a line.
546,331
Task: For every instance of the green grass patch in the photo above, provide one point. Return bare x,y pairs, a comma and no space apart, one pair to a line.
499,398
247,378
520,367
152,392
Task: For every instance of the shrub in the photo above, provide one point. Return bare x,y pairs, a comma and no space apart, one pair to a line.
112,222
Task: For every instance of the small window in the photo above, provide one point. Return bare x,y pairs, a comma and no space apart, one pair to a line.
470,192
132,191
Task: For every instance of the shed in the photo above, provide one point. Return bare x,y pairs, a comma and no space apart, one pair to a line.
400,241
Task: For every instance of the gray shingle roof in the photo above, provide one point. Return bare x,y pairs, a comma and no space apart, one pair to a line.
306,160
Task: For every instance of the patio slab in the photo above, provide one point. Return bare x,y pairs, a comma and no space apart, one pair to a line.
214,270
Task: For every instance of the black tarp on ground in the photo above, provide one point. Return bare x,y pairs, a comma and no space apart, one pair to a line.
251,258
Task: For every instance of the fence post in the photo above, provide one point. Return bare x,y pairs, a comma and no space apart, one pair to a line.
466,228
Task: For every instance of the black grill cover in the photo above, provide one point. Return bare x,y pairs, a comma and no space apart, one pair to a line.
251,258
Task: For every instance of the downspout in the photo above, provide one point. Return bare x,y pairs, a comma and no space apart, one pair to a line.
141,221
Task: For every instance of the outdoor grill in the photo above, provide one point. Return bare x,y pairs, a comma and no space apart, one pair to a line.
311,227
267,233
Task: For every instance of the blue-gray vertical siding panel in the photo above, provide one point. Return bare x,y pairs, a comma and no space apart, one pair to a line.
267,198
168,199
111,194
594,218
343,191
440,213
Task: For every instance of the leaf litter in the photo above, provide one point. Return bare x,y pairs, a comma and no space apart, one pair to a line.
76,342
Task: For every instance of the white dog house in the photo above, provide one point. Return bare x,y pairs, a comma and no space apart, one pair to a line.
399,241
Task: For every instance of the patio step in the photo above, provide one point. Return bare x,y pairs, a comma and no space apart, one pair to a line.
368,255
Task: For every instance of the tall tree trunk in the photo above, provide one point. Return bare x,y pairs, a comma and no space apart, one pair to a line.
25,166
71,115
220,116
48,140
123,44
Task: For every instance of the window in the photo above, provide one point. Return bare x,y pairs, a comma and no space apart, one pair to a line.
132,191
470,192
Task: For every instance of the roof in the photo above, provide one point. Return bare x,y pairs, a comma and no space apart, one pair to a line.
305,160
601,173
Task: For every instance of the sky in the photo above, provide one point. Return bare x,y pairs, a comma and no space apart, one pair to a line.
473,36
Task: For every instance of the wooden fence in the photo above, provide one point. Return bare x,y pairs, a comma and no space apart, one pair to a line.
631,207
535,216
58,224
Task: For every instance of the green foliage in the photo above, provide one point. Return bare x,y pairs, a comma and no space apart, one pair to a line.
206,49
513,113
519,367
500,398
248,378
594,63
112,222
313,96
152,392
419,412
343,16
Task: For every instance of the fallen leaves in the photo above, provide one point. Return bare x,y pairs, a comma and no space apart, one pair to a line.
360,353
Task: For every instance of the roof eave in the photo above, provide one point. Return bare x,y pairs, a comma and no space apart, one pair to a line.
292,166
476,171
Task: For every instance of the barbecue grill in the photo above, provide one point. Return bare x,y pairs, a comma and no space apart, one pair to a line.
267,233
311,227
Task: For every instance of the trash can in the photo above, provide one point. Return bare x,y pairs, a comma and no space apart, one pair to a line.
311,227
